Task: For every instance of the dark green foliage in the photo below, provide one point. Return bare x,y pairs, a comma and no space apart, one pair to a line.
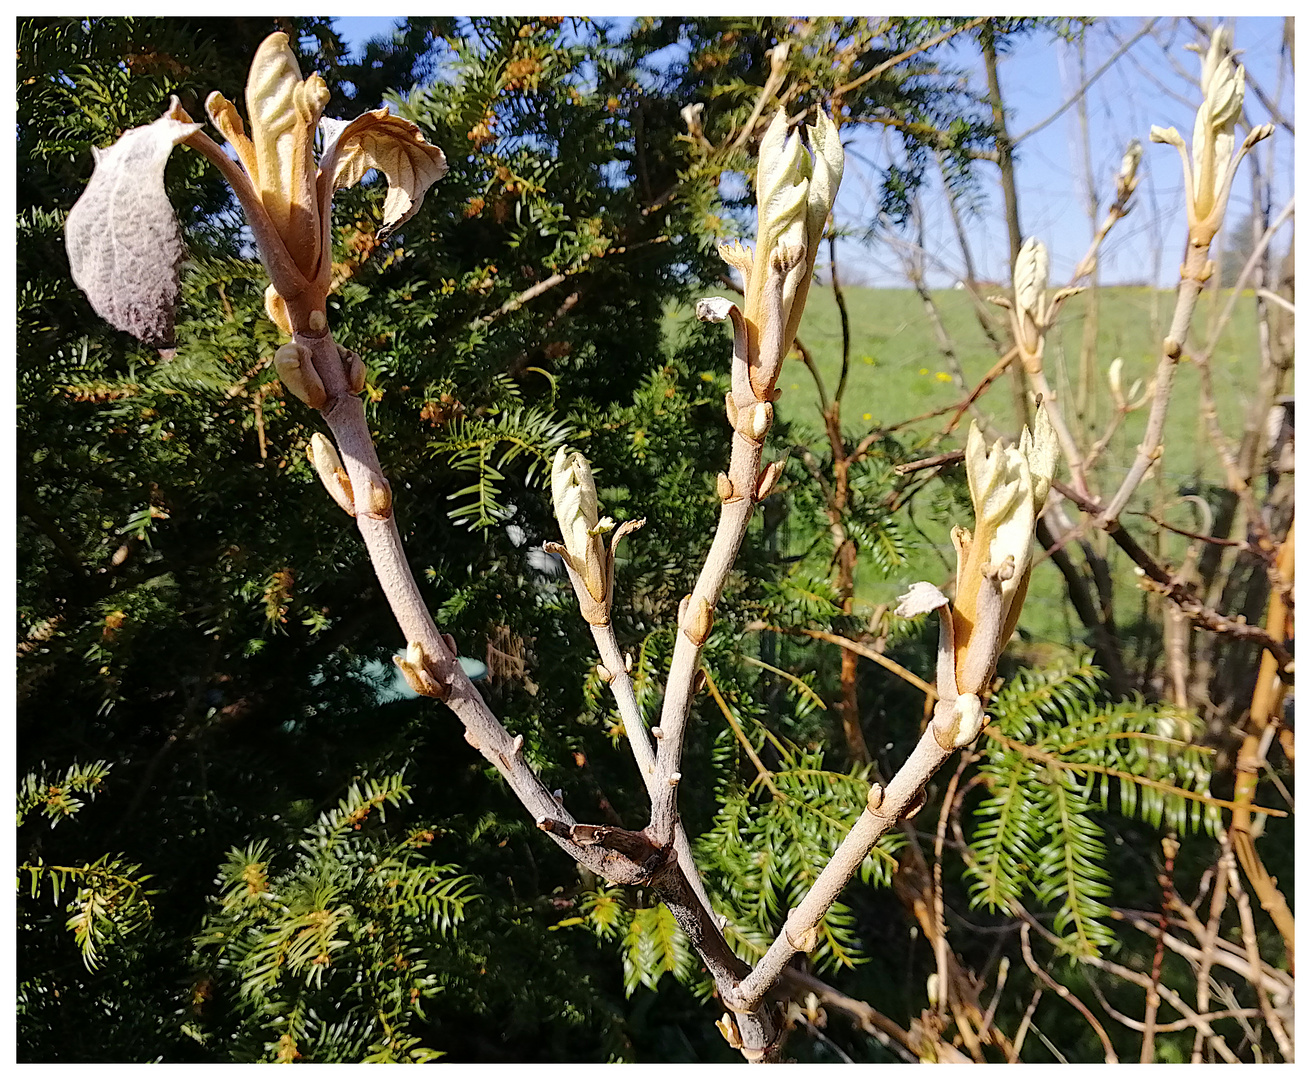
1061,752
328,959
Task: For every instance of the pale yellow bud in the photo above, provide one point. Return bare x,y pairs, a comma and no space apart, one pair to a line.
573,492
323,455
1113,377
295,367
1031,279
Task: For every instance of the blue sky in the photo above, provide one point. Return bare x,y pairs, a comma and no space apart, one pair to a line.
1153,82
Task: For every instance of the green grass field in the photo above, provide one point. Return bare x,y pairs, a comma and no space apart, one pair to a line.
898,371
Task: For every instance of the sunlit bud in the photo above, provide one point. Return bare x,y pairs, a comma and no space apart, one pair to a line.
795,189
1127,180
1213,131
697,618
1132,157
1209,171
295,368
413,664
1008,486
323,455
379,502
277,310
574,493
1113,376
1031,278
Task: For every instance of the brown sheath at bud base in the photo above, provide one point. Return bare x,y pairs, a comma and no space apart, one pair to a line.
768,478
379,501
696,620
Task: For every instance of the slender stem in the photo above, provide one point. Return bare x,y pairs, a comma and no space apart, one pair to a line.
1272,1020
743,472
1149,450
1067,995
621,685
344,414
841,302
902,793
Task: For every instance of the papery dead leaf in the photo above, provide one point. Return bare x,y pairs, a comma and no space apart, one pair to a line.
123,240
395,147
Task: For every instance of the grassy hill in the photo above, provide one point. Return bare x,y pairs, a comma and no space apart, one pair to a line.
898,371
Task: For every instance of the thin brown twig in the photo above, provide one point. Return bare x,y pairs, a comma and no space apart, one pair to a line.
1023,1029
1067,995
1194,1018
858,648
1158,579
765,775
1235,886
923,46
1170,846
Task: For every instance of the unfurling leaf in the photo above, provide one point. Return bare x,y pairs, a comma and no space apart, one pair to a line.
124,244
396,147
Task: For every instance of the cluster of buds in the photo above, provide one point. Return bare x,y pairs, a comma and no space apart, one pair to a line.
587,558
285,193
795,191
1033,310
1008,486
1210,172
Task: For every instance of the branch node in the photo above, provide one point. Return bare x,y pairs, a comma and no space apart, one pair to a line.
806,941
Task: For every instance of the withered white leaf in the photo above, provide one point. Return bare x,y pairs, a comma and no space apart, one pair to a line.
394,146
922,598
124,244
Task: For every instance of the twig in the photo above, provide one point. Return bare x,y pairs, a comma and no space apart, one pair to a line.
1124,48
1137,978
1266,976
997,369
1272,1020
887,1031
923,46
1158,579
1170,846
938,461
621,685
1023,1029
862,650
547,284
765,775
1192,275
1267,699
884,809
1066,995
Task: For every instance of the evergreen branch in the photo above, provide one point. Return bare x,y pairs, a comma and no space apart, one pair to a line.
1118,774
